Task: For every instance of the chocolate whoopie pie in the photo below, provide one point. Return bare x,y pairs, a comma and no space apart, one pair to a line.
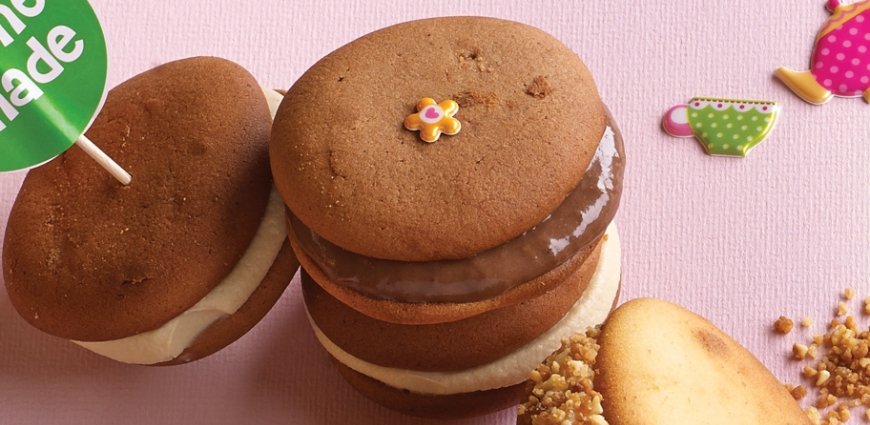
444,268
184,260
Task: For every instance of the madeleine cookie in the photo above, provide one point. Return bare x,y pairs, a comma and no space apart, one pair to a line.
449,183
193,247
653,362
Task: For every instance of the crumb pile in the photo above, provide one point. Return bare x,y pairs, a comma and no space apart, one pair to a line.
564,390
842,373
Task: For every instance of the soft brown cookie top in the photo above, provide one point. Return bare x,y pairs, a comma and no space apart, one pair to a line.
88,259
531,120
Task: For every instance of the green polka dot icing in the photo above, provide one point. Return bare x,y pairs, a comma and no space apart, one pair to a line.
714,113
732,136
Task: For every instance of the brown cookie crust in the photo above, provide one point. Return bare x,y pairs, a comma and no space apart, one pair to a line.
453,406
448,346
88,259
227,330
431,313
531,120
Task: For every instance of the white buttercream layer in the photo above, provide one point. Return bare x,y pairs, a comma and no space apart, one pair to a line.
590,309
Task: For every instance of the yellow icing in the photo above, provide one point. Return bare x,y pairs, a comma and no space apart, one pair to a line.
430,132
843,14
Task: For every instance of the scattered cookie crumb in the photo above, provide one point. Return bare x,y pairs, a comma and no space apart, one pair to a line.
842,309
823,377
849,293
814,415
806,321
783,325
564,392
470,98
799,351
539,88
797,392
841,374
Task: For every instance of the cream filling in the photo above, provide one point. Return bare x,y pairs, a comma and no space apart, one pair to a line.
170,340
590,310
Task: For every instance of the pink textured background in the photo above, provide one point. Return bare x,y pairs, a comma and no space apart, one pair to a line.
739,241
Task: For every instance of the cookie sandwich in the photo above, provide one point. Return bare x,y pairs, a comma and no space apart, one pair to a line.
184,260
653,362
450,187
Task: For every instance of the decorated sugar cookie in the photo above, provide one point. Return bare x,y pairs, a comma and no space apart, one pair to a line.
840,64
725,127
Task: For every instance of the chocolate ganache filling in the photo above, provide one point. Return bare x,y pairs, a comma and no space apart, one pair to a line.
580,220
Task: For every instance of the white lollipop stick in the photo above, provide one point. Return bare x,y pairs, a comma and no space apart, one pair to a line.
110,165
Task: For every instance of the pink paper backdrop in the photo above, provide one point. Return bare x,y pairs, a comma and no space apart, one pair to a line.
739,241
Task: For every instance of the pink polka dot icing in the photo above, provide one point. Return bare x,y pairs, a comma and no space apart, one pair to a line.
838,60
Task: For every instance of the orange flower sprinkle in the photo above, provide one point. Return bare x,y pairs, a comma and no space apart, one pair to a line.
432,119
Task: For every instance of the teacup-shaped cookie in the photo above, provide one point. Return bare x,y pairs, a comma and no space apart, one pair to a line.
726,127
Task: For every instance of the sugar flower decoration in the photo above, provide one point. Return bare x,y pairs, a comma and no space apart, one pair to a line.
432,119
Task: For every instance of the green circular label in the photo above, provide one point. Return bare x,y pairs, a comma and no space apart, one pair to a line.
52,77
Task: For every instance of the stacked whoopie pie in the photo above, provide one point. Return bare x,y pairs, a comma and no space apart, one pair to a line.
184,260
437,275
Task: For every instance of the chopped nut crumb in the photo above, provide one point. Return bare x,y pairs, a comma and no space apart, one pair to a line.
564,392
783,325
799,351
850,323
813,351
824,375
798,392
814,415
842,309
841,367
